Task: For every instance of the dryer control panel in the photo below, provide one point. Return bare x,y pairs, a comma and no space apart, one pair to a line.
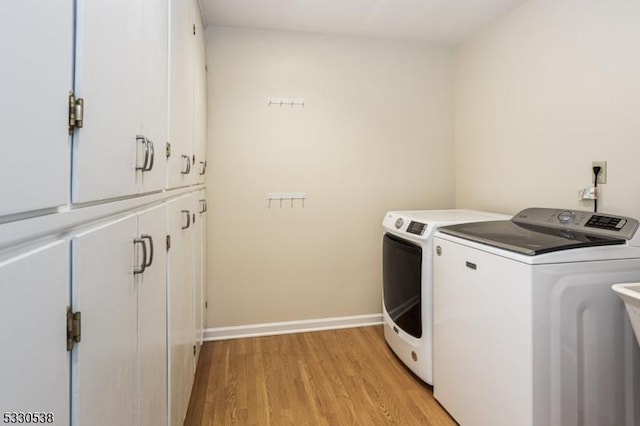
416,228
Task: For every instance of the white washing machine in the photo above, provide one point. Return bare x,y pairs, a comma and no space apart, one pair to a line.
526,328
408,281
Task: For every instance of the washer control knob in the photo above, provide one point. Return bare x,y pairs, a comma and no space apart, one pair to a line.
566,216
399,223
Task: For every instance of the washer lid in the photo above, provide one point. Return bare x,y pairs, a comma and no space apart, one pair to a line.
527,239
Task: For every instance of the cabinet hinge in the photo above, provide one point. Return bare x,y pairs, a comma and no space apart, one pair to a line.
194,29
74,328
194,350
76,112
206,304
168,242
168,150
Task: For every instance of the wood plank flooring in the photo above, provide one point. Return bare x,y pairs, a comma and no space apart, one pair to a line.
337,377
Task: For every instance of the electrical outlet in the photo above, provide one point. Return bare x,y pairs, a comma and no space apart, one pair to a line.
602,176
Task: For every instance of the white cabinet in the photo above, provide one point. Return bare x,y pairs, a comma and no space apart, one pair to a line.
155,84
83,191
182,214
200,98
200,263
181,170
104,291
152,320
119,286
36,76
121,73
34,362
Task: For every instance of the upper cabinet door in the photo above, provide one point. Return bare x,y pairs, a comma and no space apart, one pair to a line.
200,98
122,75
34,362
36,75
109,66
155,84
181,49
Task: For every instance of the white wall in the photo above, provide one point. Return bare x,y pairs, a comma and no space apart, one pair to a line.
540,94
375,134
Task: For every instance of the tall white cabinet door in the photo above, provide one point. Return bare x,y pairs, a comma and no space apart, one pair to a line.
200,98
36,70
200,252
181,49
34,362
104,376
181,309
108,74
152,320
155,75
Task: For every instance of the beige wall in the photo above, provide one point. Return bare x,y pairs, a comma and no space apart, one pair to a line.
375,134
539,95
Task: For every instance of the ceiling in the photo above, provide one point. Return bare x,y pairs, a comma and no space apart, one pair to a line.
440,21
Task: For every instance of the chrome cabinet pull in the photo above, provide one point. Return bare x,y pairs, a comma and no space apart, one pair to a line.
203,206
150,239
143,139
188,214
187,165
152,151
143,264
149,153
203,169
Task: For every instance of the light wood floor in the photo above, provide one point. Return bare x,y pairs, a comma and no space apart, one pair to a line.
338,377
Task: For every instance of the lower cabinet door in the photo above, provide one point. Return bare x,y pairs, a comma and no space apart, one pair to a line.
104,363
34,362
182,347
200,253
152,321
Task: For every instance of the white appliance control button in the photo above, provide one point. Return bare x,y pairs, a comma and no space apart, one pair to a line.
399,223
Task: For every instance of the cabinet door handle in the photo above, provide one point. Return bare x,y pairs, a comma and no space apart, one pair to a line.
203,206
143,264
150,149
150,239
187,165
144,140
204,167
188,214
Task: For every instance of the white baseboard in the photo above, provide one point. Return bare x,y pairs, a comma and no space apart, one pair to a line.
289,327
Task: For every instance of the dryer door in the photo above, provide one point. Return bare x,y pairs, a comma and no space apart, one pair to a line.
402,283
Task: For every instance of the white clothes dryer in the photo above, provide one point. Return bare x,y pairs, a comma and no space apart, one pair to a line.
527,330
408,281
